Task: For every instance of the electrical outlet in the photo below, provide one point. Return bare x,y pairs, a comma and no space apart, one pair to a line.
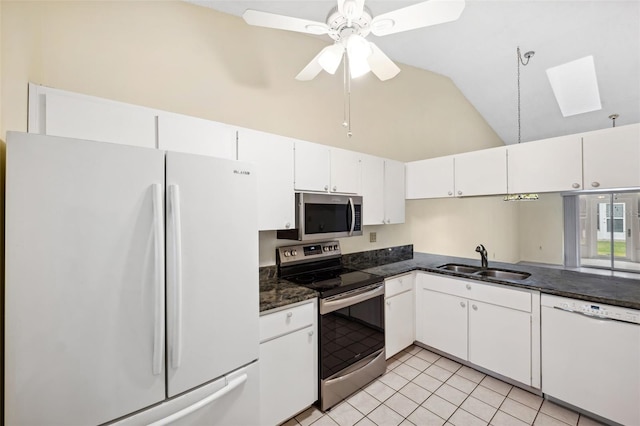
372,237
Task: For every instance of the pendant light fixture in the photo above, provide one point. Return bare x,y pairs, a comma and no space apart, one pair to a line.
527,57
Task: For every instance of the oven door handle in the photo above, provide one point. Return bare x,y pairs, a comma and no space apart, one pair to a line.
327,306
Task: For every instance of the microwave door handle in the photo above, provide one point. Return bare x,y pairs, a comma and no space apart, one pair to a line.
353,216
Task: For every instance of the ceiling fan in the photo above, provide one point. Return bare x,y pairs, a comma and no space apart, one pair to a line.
349,23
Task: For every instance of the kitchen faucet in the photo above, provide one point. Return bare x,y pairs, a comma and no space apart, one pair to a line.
483,256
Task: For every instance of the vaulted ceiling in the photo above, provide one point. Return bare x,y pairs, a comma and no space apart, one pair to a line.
478,52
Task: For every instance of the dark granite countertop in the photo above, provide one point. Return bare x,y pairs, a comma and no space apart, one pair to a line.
561,282
625,292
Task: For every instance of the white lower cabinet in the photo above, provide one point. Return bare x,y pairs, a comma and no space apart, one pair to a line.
288,362
399,315
491,326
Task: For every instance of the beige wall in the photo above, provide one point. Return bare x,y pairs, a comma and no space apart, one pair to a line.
541,230
179,57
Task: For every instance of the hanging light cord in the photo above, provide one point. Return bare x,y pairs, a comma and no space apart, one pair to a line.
527,56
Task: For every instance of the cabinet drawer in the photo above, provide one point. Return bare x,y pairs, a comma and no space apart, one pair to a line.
482,292
397,285
286,320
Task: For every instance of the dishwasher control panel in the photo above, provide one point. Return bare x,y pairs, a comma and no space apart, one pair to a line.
593,309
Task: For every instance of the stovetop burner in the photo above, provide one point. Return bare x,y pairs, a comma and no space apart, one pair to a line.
318,266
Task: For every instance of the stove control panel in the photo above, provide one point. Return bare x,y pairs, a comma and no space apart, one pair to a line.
306,252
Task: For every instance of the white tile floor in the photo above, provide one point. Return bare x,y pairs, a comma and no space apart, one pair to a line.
424,389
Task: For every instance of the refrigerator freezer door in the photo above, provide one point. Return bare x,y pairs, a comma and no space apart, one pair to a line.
212,269
84,321
229,401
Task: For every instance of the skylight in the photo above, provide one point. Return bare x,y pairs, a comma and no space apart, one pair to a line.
575,86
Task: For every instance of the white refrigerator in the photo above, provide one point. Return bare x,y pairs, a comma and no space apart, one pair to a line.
131,285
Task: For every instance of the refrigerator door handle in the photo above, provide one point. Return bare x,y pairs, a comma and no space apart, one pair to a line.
158,240
176,340
231,385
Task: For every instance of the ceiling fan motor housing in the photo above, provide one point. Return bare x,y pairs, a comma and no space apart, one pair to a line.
339,26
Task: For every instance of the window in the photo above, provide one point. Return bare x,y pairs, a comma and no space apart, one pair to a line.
608,231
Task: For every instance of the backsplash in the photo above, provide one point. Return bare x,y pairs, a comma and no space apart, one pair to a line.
364,259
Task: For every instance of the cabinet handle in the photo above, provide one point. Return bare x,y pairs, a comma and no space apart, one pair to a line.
311,333
450,193
287,225
388,220
459,192
326,187
388,303
289,314
468,286
382,220
575,185
462,304
474,307
595,184
335,188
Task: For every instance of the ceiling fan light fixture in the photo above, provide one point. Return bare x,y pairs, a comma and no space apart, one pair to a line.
331,57
358,50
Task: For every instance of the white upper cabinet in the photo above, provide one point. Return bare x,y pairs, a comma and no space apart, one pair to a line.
394,185
311,167
431,178
481,172
548,165
57,113
373,193
273,157
181,133
612,157
321,168
345,171
382,190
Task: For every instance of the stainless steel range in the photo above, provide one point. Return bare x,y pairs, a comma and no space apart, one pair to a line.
351,317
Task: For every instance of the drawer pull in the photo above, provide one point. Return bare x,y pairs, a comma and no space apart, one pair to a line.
289,314
462,304
474,307
311,333
468,286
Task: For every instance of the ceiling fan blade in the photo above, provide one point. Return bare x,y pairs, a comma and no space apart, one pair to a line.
282,22
417,16
380,64
314,67
351,9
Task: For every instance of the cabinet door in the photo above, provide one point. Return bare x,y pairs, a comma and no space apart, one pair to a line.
548,165
612,157
288,375
273,158
181,133
311,167
500,340
399,323
84,117
345,171
394,191
481,172
432,178
441,322
373,187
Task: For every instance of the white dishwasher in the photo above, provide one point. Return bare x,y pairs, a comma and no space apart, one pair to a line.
591,357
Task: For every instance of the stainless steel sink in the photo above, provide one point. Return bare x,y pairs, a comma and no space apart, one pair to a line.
502,275
464,269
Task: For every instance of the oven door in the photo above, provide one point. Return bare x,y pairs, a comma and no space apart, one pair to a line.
328,216
351,342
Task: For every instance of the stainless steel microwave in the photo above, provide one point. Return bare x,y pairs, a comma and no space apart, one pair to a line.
325,216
